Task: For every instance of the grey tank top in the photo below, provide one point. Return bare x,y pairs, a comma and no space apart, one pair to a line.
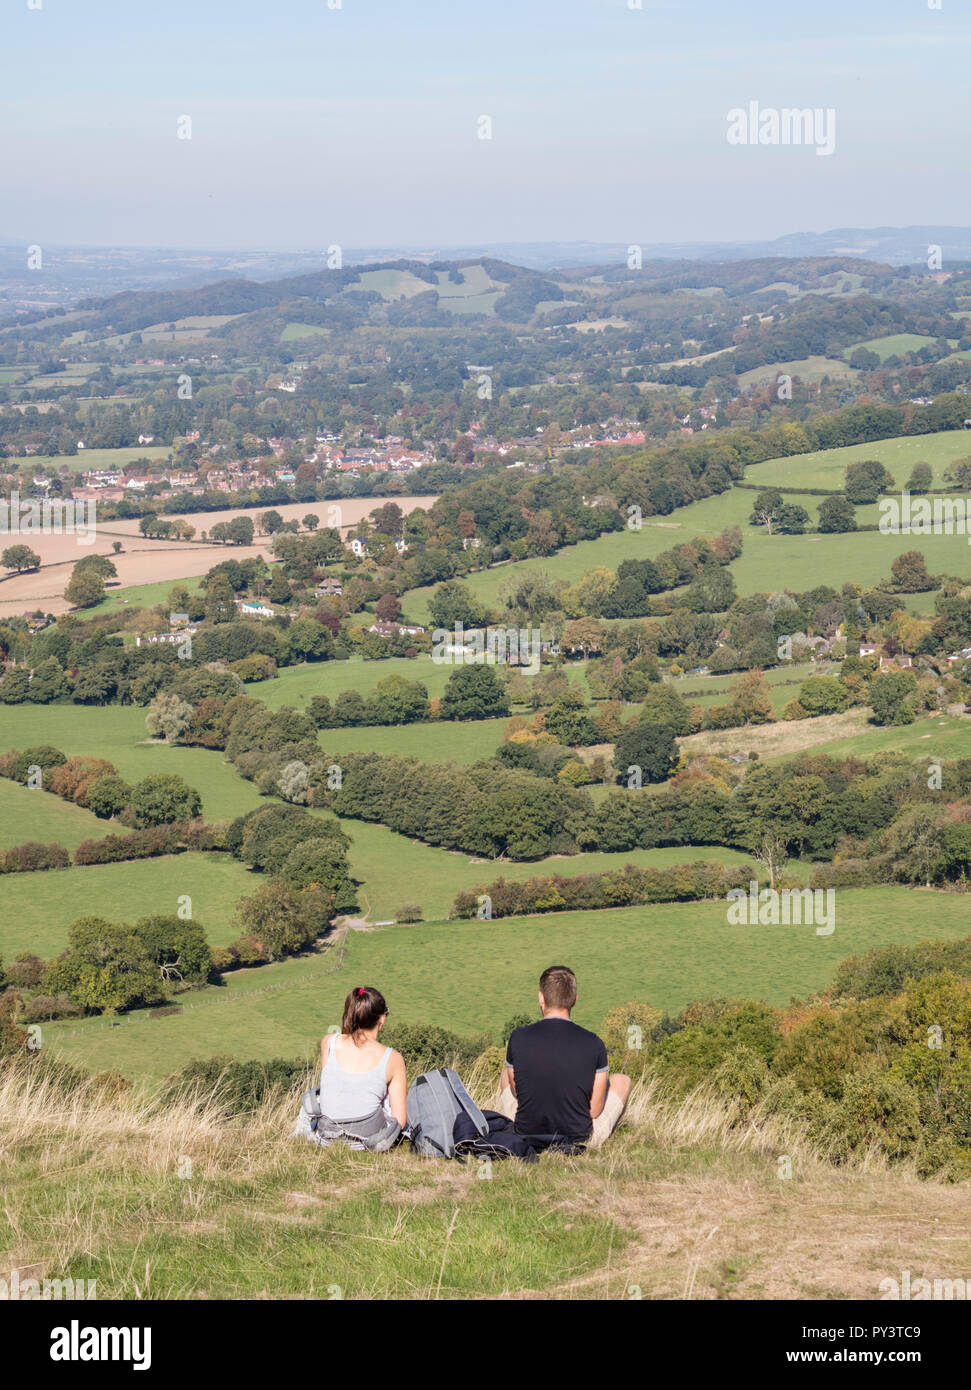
348,1095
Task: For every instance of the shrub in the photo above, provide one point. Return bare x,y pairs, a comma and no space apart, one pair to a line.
885,970
43,1008
425,1046
629,1027
239,1086
30,857
690,1056
43,756
409,912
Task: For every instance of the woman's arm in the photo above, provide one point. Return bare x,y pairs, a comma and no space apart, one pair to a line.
397,1088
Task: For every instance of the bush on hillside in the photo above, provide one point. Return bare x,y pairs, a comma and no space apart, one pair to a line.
239,1086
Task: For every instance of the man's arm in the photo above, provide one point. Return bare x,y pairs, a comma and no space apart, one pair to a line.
599,1093
508,1079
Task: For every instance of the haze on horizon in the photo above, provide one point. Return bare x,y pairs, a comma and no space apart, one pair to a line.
358,126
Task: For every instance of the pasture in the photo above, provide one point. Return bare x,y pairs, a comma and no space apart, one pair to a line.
30,813
826,468
297,685
812,369
840,735
118,733
293,332
396,870
767,563
86,459
894,344
449,741
39,907
473,976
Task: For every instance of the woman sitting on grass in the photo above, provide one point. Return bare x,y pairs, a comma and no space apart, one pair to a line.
361,1096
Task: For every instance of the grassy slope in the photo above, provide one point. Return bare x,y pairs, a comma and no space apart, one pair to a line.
767,563
117,732
86,459
39,907
666,954
140,596
297,685
154,1201
435,743
827,467
943,736
396,870
33,814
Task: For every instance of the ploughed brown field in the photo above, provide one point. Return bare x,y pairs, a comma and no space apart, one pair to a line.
150,562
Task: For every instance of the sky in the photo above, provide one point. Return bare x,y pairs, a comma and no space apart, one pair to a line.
357,122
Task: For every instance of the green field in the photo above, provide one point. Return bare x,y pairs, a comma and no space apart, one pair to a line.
396,870
826,468
471,304
39,907
894,344
30,813
118,733
807,369
98,458
666,955
448,741
783,681
139,595
391,284
944,736
297,685
295,331
767,563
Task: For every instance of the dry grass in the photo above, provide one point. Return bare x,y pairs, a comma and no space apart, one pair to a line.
778,739
680,1204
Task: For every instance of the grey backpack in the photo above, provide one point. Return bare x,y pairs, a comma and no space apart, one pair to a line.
435,1101
377,1131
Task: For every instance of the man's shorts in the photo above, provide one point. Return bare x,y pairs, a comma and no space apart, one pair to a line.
603,1126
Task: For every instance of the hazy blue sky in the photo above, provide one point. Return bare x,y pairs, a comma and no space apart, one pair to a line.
357,125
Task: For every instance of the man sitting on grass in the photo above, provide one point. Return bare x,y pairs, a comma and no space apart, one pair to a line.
556,1080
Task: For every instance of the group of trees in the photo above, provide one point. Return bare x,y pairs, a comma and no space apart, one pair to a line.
615,888
86,587
159,799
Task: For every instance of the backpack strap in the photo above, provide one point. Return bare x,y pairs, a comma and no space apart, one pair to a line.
465,1100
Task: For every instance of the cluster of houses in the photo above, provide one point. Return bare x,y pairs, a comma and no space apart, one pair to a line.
238,475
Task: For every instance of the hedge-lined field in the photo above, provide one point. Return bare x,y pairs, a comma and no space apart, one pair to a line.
38,908
118,733
827,467
767,563
666,955
396,870
29,813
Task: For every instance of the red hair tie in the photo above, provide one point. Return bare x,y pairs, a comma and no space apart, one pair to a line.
360,991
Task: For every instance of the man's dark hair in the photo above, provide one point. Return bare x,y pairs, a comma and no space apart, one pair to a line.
558,986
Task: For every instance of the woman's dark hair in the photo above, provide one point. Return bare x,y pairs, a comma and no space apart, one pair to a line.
362,1009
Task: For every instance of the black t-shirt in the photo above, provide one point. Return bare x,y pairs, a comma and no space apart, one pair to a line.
555,1061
